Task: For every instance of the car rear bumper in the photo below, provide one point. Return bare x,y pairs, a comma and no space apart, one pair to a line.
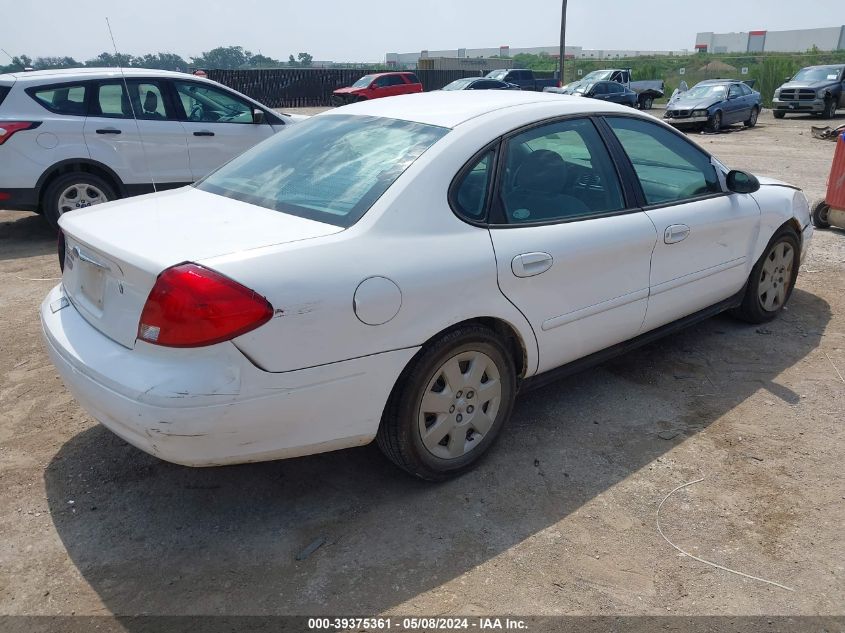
211,406
18,199
816,105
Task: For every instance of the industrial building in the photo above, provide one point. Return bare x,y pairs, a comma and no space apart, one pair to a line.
410,60
797,41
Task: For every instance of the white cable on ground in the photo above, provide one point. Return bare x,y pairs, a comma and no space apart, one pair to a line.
701,560
38,279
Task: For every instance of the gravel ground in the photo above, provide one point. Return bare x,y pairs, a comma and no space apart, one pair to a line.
560,519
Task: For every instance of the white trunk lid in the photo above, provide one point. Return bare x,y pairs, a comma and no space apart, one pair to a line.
115,252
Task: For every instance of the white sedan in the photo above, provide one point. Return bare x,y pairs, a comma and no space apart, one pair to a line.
400,269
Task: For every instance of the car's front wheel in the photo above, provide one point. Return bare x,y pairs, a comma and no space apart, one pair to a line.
829,108
778,114
646,103
450,404
772,279
75,190
715,122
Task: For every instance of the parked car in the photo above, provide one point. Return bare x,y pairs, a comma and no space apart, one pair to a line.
377,86
479,83
74,138
647,90
815,89
523,78
714,104
400,270
611,91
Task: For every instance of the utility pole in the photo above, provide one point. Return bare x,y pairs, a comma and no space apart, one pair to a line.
562,39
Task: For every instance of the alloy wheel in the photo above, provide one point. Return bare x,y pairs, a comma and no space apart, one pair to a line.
80,196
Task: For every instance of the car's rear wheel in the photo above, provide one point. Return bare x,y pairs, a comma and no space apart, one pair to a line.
819,215
772,279
450,404
715,122
778,114
646,103
75,190
752,119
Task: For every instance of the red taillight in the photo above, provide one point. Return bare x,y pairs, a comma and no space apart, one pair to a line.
192,306
8,128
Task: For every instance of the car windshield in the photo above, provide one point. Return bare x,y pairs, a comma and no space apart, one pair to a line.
598,75
498,74
583,87
703,91
328,168
459,84
824,73
364,81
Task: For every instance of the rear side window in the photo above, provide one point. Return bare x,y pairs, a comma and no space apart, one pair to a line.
65,99
412,78
470,193
4,90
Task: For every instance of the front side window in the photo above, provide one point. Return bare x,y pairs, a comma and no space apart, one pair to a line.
668,166
66,99
735,91
558,171
208,104
329,168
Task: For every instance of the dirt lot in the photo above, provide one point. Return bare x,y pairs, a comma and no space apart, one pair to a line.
560,519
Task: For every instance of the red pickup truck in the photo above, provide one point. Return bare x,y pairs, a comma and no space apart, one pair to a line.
377,86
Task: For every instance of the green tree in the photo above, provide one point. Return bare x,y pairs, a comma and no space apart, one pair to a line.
292,61
305,59
223,57
47,63
262,61
109,60
161,61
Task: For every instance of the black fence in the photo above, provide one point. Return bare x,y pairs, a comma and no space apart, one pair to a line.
304,87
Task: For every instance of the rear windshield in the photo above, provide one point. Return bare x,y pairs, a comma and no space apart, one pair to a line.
328,168
458,84
4,90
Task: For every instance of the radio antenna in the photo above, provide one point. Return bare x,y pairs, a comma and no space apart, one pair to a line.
7,54
132,106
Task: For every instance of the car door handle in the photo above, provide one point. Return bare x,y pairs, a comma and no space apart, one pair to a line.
108,130
204,133
530,264
676,233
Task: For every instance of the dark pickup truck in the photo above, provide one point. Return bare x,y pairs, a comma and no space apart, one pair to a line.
813,90
523,78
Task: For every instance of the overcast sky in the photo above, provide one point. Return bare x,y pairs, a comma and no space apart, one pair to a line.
364,30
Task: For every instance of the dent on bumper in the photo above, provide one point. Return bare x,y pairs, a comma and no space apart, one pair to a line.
686,120
211,406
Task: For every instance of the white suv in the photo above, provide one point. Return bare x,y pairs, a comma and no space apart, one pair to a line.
73,138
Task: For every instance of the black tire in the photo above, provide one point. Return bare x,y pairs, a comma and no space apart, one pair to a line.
752,119
50,201
819,215
646,103
752,309
715,122
829,108
778,114
400,435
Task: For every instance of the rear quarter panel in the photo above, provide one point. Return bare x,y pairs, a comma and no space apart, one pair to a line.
444,268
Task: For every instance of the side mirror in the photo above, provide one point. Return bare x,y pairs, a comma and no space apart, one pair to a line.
788,79
742,182
258,116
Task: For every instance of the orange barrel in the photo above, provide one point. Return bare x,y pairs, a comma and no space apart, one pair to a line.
836,182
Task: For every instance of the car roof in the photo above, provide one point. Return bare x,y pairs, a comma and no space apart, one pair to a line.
450,108
69,74
719,81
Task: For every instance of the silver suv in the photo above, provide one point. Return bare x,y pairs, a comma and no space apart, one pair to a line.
77,137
